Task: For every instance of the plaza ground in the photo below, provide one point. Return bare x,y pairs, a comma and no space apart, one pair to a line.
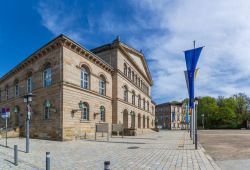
229,148
163,150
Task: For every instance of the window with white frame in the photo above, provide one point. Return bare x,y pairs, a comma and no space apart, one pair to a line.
102,113
46,107
47,78
102,85
129,73
139,101
7,92
16,88
125,95
85,78
133,97
29,84
85,111
125,69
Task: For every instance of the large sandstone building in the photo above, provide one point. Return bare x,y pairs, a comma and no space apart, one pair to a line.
76,88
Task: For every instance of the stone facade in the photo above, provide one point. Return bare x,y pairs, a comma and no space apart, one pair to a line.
78,77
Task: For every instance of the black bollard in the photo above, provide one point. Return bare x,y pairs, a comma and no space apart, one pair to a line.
47,160
15,155
107,165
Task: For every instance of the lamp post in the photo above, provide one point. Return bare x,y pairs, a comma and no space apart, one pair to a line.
195,107
28,99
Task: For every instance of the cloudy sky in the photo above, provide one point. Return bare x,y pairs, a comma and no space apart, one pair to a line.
161,28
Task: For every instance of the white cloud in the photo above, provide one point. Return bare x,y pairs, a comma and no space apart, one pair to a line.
163,29
222,26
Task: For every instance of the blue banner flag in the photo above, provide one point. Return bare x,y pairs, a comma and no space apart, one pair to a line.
192,57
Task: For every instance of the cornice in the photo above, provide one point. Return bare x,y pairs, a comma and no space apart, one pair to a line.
70,44
57,42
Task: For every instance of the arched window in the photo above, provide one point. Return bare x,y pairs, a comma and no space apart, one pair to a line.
7,92
102,85
47,80
85,111
29,83
102,113
133,97
129,73
133,76
85,77
125,69
16,88
46,108
125,95
139,101
143,103
148,106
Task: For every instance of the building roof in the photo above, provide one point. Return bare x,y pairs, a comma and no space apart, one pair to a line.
60,40
127,49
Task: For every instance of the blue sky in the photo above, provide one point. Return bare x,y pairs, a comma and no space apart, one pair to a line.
162,29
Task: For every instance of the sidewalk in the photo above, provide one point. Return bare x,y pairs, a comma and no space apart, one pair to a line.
163,150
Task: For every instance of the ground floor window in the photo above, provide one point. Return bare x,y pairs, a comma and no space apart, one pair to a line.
46,109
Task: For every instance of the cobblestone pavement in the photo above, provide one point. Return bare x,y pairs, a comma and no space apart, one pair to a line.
163,150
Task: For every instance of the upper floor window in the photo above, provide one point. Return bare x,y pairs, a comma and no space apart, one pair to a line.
144,104
139,82
85,76
133,97
16,88
7,92
152,109
125,69
102,85
125,95
46,108
102,113
85,111
136,79
147,105
129,73
29,84
133,76
47,78
139,101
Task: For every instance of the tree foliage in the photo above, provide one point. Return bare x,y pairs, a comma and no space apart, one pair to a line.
232,112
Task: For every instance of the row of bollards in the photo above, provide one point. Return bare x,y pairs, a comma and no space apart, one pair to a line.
106,163
16,158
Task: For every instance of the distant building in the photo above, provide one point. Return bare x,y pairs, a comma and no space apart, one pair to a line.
171,116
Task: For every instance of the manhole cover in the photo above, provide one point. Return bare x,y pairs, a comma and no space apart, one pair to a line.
133,147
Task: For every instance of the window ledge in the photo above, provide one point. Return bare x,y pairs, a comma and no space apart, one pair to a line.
84,121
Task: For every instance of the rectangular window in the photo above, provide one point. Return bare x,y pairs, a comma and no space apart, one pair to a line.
46,113
47,77
17,89
102,87
7,93
29,85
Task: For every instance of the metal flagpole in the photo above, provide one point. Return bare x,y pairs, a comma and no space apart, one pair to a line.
6,127
193,104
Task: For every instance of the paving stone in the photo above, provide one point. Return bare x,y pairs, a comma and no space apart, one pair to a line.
146,152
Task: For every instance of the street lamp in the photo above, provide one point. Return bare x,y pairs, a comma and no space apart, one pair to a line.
28,99
195,107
